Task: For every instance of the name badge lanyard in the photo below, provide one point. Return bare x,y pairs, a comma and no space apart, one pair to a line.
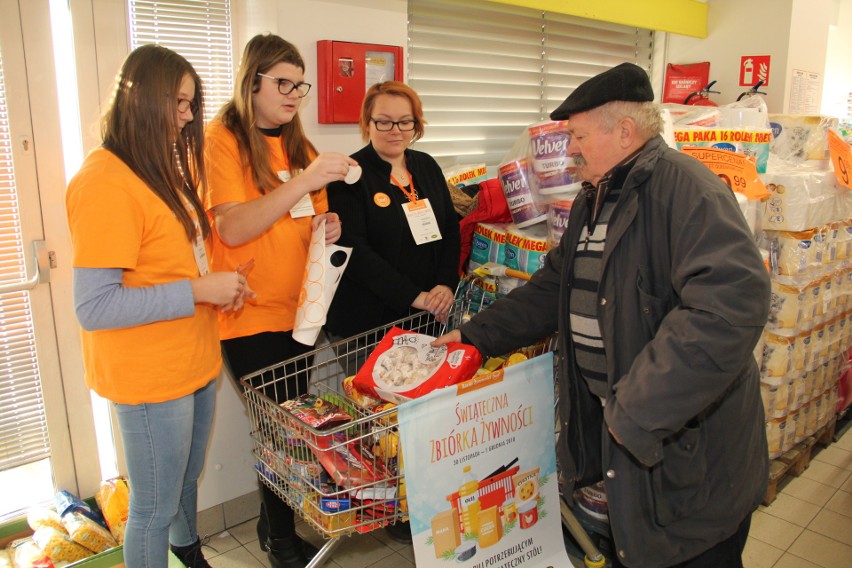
418,212
199,251
412,194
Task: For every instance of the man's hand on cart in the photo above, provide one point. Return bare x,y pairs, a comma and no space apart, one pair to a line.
453,336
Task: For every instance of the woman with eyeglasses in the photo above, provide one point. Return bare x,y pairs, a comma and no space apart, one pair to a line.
399,219
267,193
401,224
146,298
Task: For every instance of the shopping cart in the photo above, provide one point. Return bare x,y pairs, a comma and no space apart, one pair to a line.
347,478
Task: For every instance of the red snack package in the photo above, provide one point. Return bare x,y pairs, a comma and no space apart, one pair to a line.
404,365
316,412
348,464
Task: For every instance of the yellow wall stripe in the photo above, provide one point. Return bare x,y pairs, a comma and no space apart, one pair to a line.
685,17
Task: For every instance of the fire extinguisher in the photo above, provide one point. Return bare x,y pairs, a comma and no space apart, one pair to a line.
702,97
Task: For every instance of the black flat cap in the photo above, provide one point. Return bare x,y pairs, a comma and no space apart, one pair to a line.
625,82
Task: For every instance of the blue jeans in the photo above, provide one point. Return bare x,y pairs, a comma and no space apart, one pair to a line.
164,447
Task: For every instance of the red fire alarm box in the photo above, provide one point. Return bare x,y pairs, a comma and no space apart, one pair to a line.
346,70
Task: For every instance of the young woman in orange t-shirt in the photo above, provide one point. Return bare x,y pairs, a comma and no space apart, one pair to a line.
267,194
146,298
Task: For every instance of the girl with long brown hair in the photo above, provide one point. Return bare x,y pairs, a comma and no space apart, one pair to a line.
267,195
146,298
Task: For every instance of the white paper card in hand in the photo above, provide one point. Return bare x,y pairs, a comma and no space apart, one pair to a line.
353,175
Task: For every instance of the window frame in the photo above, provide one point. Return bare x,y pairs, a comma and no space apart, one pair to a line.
485,70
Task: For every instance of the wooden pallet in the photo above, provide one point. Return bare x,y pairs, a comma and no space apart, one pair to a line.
797,459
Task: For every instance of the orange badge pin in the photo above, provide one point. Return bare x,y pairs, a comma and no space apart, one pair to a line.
381,199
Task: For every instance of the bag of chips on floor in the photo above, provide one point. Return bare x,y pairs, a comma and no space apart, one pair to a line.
113,497
404,365
58,546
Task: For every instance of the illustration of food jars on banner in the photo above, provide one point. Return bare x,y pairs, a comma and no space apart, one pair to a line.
480,471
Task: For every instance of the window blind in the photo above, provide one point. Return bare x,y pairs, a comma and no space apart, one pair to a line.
23,427
200,30
486,70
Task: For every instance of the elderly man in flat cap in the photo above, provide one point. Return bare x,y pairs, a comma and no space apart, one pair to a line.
659,295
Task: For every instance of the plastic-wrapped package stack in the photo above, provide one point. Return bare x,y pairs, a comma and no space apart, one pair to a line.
537,177
804,229
807,227
808,334
538,181
742,127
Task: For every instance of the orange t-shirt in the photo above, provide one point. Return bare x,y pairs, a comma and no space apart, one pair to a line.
279,253
116,221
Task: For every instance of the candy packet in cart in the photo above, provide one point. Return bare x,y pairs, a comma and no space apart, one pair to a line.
348,463
316,412
404,365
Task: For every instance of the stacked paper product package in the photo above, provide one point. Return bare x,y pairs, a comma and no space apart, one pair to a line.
538,181
807,227
804,231
741,127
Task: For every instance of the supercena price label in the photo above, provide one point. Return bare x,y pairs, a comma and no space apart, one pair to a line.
736,170
841,158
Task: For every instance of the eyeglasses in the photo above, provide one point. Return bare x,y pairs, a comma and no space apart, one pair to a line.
186,104
286,86
406,125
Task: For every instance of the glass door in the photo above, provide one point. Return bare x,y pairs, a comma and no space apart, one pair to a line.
36,454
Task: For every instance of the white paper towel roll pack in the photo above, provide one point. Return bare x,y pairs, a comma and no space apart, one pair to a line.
488,244
802,199
526,247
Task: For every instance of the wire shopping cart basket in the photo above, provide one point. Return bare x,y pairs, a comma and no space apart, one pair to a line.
346,478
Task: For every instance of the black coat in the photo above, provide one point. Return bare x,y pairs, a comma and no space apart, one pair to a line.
682,301
387,270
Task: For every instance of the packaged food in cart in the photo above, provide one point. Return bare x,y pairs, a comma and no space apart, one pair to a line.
316,412
362,400
348,462
332,514
404,365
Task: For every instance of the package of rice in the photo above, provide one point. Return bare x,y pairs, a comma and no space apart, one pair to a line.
23,553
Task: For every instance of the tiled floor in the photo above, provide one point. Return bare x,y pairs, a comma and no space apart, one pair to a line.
808,526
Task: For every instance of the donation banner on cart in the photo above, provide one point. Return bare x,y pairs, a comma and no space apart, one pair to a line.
480,471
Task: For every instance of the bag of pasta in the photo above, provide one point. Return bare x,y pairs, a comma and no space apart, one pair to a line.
58,546
113,497
43,517
87,532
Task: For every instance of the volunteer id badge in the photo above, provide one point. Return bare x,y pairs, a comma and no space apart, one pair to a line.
199,251
304,207
422,222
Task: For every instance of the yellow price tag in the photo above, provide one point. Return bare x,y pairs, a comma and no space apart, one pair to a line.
841,158
737,170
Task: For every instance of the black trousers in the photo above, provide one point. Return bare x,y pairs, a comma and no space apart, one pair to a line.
726,554
246,355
